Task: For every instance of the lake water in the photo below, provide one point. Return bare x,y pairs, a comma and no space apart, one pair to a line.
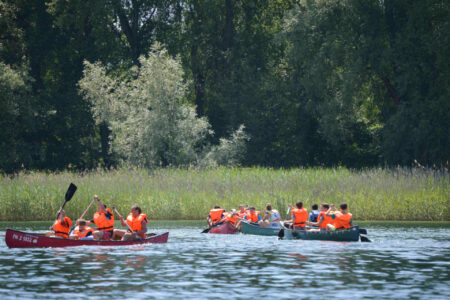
404,261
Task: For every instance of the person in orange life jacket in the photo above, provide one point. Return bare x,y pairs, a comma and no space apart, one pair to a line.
215,215
299,216
241,213
61,226
314,213
231,217
137,222
322,220
81,231
342,219
253,215
104,219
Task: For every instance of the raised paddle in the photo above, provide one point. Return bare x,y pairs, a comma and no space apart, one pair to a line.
69,194
121,218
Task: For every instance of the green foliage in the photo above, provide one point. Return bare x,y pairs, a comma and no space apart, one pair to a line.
372,194
16,118
348,56
149,122
316,82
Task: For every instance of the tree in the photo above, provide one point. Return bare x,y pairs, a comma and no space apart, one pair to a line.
149,122
16,119
368,71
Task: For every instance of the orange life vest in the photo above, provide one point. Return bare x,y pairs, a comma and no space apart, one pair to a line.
253,218
241,214
102,222
83,233
216,214
342,220
136,223
62,229
301,216
232,219
326,220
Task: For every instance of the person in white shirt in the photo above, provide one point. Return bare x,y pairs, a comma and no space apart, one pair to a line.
271,217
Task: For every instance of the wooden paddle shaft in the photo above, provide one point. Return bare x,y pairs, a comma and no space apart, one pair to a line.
85,212
122,219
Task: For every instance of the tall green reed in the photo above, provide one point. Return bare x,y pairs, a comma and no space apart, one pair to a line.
372,194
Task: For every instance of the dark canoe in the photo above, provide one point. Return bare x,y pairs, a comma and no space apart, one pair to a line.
19,239
344,235
225,228
248,228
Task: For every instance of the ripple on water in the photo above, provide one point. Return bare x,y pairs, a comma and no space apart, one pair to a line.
413,262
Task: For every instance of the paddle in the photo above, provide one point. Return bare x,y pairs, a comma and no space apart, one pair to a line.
69,194
208,229
122,219
82,216
365,239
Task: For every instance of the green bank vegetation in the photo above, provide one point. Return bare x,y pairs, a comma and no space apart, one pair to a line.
373,194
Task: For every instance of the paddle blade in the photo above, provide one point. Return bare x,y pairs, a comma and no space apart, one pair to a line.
365,239
206,230
70,191
281,234
362,231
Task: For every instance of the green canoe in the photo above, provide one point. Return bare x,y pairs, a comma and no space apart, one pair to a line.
351,234
257,230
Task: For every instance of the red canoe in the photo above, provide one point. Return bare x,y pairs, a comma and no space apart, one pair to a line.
225,228
19,239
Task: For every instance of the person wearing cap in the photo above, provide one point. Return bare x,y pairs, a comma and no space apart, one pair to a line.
271,217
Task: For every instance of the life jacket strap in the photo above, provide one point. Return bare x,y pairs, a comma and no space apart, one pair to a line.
106,228
64,233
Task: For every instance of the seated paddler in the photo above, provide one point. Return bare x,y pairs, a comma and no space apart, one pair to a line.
314,213
322,220
104,220
242,212
215,215
81,231
271,217
137,221
299,216
342,219
61,226
253,215
231,217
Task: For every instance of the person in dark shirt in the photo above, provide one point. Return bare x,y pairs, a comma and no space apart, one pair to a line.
314,213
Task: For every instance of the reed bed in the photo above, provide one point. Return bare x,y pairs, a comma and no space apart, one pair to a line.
174,194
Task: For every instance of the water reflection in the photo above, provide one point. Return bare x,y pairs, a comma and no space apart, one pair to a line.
413,263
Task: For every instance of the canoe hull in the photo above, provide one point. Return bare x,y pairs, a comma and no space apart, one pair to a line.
343,235
225,228
19,239
257,230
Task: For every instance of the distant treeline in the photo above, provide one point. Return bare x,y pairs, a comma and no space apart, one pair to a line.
315,83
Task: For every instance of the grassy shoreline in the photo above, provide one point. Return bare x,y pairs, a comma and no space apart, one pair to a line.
400,194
